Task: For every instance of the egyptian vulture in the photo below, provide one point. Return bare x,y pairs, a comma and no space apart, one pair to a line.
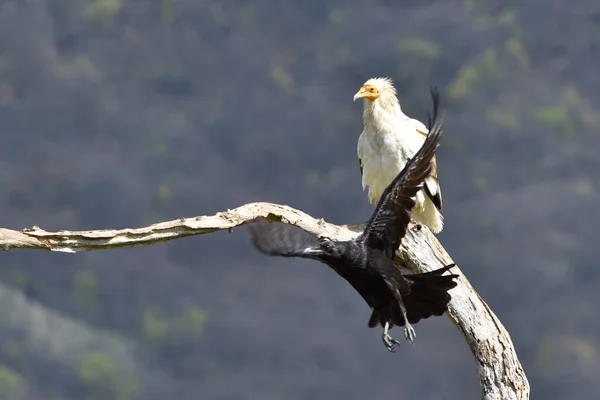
390,138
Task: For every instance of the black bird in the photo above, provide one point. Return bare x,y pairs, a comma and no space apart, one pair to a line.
367,261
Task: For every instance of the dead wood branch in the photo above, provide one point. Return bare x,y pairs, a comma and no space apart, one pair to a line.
501,375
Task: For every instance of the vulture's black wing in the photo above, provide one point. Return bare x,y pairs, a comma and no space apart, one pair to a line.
431,182
361,166
389,221
284,240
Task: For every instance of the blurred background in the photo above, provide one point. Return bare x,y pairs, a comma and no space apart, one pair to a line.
119,114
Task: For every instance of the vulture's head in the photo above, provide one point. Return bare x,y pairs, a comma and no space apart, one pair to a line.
376,88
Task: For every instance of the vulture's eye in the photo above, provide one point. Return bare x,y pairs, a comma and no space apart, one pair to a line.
371,89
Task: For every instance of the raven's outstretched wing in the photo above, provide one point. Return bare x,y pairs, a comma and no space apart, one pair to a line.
282,240
389,221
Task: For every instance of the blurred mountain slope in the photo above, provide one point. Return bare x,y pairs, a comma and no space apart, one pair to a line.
117,114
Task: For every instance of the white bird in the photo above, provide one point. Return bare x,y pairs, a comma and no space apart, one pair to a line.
388,140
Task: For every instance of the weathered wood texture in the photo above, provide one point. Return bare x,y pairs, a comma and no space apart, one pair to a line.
501,375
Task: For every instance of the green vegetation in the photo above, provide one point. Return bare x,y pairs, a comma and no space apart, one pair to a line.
103,11
504,118
154,327
85,292
100,377
281,77
194,320
557,118
420,46
11,384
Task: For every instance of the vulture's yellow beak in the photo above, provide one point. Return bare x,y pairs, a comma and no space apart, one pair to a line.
366,92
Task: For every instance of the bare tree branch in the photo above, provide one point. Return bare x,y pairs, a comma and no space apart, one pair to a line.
501,375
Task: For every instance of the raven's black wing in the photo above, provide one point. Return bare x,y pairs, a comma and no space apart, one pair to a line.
282,240
389,221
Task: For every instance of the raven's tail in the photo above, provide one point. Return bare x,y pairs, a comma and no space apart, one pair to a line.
428,294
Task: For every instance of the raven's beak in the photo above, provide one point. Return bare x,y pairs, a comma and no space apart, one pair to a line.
311,251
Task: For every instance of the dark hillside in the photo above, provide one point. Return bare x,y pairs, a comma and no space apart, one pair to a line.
121,113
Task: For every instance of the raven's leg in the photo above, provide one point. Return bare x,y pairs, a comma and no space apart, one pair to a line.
409,332
388,341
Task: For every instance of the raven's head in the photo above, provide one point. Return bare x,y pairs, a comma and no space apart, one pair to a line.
328,250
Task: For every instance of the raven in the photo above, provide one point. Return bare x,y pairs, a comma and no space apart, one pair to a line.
367,261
